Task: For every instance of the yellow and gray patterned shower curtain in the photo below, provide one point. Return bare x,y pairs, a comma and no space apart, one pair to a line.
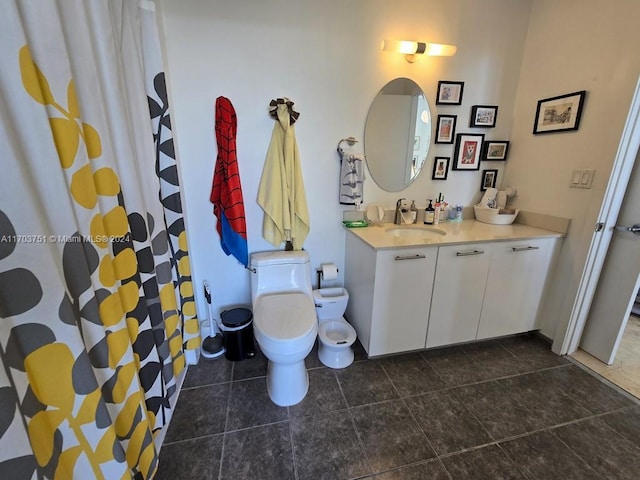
97,313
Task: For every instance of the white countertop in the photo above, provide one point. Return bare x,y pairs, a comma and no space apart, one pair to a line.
468,231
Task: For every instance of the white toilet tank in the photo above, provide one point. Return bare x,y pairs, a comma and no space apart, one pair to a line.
330,302
280,271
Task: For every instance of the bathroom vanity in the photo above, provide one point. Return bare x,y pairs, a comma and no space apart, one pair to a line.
414,287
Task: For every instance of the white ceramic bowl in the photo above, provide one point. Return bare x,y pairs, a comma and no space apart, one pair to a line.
492,216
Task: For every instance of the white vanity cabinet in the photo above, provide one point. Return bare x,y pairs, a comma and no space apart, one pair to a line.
514,286
404,298
458,293
389,295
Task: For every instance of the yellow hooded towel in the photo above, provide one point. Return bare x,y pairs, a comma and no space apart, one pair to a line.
281,193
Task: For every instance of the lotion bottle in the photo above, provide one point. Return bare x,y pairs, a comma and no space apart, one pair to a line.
429,214
414,212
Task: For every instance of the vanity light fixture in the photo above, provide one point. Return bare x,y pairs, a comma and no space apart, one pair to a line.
411,49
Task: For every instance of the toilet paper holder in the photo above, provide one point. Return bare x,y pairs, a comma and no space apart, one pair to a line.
323,269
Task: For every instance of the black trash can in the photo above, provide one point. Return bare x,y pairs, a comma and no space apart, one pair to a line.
237,333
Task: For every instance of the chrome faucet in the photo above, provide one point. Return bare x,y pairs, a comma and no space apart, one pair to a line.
398,218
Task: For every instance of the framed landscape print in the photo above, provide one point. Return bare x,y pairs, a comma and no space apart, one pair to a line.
467,151
483,116
559,114
495,150
449,93
446,128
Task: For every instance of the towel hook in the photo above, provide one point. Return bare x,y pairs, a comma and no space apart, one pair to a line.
350,140
273,109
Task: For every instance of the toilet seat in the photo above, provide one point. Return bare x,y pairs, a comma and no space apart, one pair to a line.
281,320
337,332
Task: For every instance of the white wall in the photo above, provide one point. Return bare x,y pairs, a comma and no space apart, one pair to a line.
324,56
572,45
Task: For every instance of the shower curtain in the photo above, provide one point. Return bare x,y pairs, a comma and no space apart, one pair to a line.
97,311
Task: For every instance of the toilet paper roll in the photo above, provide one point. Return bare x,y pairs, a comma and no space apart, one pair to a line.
329,271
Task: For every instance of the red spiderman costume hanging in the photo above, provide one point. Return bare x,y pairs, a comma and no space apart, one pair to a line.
226,192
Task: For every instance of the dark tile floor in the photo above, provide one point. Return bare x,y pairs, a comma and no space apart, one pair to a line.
502,409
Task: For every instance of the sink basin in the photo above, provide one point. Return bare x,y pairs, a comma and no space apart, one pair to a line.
416,232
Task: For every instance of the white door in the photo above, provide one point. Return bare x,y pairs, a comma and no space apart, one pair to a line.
619,280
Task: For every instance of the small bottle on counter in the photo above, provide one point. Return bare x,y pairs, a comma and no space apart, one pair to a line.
429,214
414,212
451,216
458,213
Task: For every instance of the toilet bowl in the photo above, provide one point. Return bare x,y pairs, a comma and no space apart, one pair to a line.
335,334
284,321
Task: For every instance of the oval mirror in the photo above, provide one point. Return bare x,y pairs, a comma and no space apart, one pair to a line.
397,134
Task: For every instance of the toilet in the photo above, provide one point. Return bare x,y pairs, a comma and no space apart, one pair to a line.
335,335
284,320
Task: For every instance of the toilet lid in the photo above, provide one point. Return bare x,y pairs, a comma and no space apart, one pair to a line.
285,315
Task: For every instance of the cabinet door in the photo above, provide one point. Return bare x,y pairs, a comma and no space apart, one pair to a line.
514,287
402,296
458,292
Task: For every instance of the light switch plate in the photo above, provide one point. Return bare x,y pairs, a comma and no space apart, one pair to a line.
582,178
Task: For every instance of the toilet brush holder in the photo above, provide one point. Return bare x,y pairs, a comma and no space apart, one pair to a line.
212,345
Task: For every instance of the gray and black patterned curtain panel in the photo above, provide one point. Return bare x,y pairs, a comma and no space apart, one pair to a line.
97,315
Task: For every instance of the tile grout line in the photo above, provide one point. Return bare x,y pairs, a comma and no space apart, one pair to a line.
403,400
517,466
573,452
413,417
184,440
353,424
528,434
293,450
226,419
481,424
415,420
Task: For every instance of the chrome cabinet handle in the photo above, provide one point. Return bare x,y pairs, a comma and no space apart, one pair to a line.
524,249
417,256
635,229
469,253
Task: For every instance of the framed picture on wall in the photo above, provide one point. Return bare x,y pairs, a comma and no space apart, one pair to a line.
495,150
449,93
488,179
559,114
446,128
467,151
483,116
440,168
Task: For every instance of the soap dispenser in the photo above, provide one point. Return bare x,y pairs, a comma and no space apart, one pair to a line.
414,212
429,214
